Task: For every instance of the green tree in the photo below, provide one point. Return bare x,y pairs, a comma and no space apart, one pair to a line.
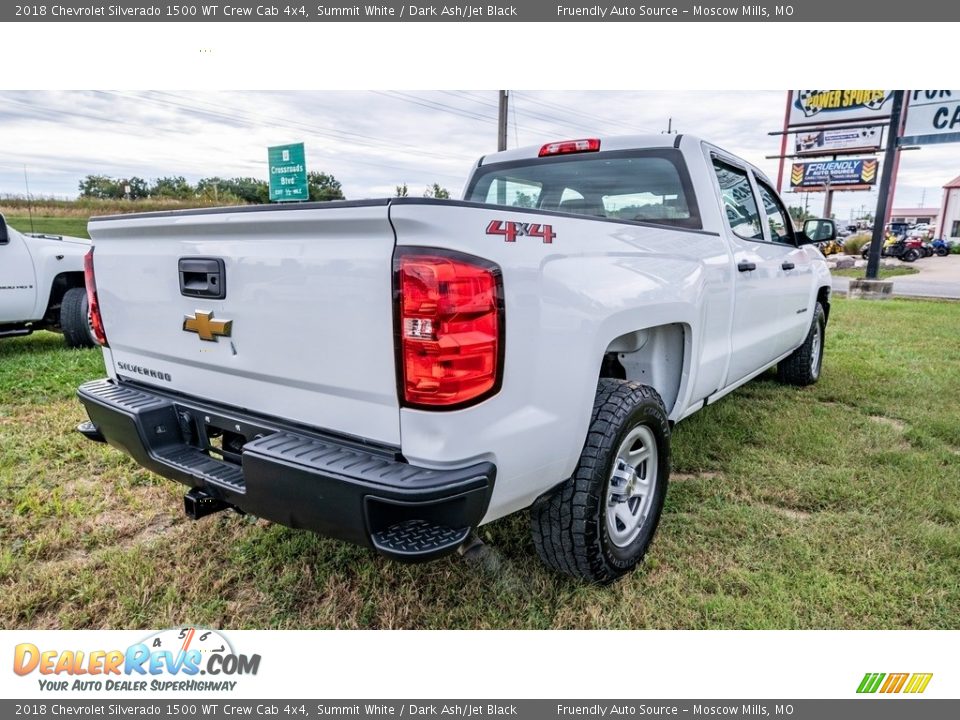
798,214
402,190
139,188
175,186
100,187
523,200
435,191
324,187
248,189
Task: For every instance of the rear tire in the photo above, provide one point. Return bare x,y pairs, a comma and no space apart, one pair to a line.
75,319
910,255
598,524
802,367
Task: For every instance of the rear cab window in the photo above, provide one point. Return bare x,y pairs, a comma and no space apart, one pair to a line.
645,186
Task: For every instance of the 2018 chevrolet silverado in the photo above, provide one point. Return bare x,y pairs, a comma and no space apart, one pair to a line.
397,372
42,285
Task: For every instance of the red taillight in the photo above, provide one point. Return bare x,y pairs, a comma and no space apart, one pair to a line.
96,322
450,326
570,146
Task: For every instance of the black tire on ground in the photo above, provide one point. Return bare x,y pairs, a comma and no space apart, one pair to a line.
570,525
74,319
910,255
942,252
802,366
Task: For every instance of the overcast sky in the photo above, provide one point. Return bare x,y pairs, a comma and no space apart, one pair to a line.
372,141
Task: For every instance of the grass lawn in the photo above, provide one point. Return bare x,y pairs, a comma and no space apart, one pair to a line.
884,273
75,226
835,506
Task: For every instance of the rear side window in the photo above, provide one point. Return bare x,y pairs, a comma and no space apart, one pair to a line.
650,186
738,201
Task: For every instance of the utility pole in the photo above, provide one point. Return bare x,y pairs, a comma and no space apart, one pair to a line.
883,196
502,121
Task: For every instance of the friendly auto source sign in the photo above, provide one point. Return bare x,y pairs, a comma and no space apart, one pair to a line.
840,142
933,116
853,174
823,107
288,173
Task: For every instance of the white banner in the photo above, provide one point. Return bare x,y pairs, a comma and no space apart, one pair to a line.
475,664
933,116
841,141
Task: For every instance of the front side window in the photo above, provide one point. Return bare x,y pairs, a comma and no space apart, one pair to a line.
738,201
781,227
650,186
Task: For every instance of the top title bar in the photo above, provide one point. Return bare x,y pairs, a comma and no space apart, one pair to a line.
520,11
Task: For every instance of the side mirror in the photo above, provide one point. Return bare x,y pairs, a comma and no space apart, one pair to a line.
818,231
4,235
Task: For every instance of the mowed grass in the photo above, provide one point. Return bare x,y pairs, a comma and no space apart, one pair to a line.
75,226
834,506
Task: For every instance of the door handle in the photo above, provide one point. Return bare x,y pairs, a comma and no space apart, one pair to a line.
746,266
788,265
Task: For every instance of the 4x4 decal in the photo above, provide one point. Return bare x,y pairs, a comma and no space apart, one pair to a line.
512,230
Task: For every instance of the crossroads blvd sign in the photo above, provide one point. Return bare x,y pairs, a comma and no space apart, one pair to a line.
288,173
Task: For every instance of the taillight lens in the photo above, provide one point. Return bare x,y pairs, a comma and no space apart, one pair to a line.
449,327
566,147
96,322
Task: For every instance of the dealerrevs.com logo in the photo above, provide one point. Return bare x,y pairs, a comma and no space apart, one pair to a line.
170,660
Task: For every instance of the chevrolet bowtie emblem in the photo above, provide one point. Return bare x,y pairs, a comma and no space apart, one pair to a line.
203,324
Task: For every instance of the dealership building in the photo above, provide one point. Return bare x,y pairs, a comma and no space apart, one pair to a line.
949,225
915,216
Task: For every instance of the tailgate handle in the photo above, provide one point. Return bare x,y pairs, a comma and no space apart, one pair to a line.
203,278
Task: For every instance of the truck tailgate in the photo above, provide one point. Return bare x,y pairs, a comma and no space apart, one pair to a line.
308,295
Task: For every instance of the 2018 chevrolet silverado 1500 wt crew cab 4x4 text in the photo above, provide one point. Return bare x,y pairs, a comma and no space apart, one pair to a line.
398,372
42,286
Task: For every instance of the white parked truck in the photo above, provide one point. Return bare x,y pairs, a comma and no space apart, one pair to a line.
42,285
397,372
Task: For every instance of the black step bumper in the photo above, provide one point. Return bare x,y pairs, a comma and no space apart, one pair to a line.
338,487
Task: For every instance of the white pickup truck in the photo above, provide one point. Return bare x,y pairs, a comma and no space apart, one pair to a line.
42,285
397,372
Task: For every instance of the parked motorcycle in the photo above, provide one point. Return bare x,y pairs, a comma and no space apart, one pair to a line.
940,247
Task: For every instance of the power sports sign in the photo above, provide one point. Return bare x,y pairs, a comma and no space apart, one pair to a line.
933,116
852,174
826,107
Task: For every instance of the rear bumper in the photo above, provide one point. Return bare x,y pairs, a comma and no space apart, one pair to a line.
337,487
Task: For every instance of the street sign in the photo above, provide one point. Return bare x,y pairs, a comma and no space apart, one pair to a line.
933,116
288,173
852,174
825,107
844,141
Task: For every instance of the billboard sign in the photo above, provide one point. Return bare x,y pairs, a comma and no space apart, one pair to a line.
826,107
933,116
843,141
288,173
851,174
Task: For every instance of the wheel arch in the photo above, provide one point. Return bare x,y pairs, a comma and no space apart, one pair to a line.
58,288
657,356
